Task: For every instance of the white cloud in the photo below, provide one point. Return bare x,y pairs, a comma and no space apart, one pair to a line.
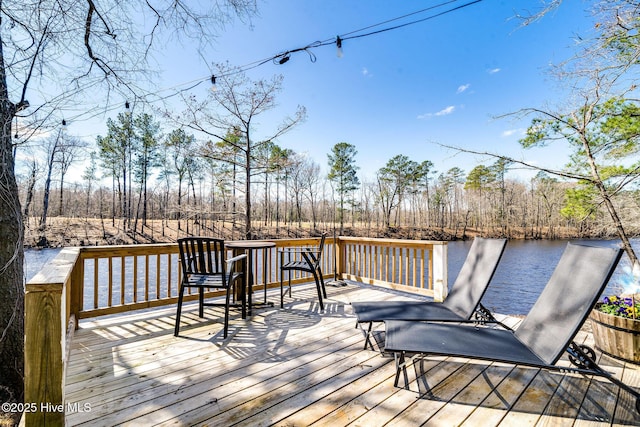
366,72
462,88
494,70
511,132
444,112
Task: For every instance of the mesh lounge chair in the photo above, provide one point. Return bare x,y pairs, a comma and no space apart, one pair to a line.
461,304
542,337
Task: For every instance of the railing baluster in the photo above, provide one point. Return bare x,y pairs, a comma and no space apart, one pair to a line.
146,277
158,269
416,270
430,281
110,269
391,278
95,283
122,279
135,278
169,266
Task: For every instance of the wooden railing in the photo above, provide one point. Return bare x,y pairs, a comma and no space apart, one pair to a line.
48,326
409,265
92,281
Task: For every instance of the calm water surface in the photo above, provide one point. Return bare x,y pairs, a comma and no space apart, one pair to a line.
524,270
522,273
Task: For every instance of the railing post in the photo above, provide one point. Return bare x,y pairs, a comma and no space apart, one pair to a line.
76,293
46,318
440,279
339,256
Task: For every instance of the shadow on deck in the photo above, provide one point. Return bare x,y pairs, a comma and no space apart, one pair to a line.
298,366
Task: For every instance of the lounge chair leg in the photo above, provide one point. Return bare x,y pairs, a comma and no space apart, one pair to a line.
401,365
367,336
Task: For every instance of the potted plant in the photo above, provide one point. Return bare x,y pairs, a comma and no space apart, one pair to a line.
616,326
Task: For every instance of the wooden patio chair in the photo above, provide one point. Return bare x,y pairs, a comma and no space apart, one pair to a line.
305,259
204,266
462,303
543,336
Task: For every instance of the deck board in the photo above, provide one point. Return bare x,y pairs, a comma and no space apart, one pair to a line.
298,366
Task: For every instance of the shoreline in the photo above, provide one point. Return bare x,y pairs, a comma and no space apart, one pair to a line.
64,231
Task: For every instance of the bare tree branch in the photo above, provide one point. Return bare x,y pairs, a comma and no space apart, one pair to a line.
556,172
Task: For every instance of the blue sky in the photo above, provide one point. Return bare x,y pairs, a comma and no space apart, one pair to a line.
403,91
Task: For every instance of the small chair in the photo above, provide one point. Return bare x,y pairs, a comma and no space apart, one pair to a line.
303,259
203,267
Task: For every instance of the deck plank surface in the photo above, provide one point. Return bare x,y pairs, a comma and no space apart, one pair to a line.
299,366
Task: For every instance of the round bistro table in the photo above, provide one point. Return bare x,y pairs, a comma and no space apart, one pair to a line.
249,246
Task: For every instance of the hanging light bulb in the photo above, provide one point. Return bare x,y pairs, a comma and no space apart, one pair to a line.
213,83
63,128
339,46
284,58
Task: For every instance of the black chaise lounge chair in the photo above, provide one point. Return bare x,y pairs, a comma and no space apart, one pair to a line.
461,304
542,337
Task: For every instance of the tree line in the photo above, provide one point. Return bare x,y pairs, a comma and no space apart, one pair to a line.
136,173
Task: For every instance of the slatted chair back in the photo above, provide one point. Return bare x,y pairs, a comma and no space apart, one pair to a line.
474,276
204,267
310,263
202,256
564,304
314,257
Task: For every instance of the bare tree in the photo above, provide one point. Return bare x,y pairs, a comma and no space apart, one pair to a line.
310,178
68,49
53,147
33,170
71,150
235,104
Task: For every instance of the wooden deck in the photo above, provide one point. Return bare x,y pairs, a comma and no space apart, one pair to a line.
298,367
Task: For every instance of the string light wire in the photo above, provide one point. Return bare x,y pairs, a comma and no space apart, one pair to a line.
283,57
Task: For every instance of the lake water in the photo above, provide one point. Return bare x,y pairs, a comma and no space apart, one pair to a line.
524,270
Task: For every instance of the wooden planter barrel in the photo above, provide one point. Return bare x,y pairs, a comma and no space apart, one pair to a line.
616,336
